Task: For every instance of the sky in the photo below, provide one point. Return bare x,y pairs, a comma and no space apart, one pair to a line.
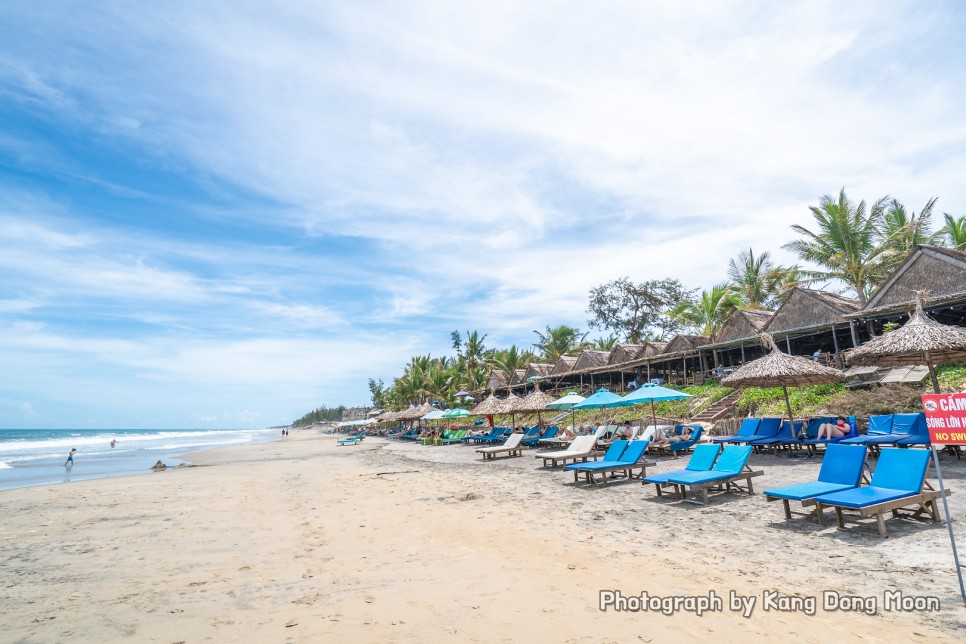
226,214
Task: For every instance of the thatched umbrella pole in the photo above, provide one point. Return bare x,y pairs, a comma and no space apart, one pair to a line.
788,405
932,373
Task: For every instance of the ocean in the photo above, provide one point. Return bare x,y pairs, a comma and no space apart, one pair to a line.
36,456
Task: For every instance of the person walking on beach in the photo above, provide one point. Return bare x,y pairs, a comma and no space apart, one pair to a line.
70,458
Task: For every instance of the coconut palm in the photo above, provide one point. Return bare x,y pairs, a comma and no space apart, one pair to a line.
604,344
758,280
709,313
846,244
954,232
901,231
507,361
560,341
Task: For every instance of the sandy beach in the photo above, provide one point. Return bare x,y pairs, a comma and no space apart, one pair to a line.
304,541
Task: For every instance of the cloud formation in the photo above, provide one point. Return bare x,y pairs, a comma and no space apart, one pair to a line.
231,213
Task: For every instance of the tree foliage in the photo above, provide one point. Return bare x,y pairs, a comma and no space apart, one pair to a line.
559,341
636,312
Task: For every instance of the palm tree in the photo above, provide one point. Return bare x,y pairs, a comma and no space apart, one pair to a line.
900,232
604,344
758,280
507,361
559,341
846,245
954,231
709,313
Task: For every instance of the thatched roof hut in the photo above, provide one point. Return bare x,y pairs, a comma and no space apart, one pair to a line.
806,309
742,325
508,405
414,413
589,359
497,380
624,353
683,344
563,365
921,340
537,370
519,377
940,270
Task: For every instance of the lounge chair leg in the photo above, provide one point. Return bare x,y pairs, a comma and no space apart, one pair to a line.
820,513
788,510
839,518
881,522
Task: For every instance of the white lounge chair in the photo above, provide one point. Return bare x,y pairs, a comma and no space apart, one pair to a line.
579,445
511,447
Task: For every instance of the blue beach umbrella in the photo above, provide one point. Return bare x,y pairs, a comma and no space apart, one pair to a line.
649,392
602,398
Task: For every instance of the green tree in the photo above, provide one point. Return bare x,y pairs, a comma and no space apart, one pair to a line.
954,232
507,361
637,312
845,245
559,341
759,281
709,313
604,344
901,231
377,388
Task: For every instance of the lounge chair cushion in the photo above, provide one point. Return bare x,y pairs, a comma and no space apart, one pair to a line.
860,497
900,469
701,460
809,490
748,428
843,464
632,454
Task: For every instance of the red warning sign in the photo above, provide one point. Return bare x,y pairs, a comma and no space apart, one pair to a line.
946,418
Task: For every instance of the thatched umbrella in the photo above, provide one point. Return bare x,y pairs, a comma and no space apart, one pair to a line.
777,369
535,402
492,405
921,340
509,406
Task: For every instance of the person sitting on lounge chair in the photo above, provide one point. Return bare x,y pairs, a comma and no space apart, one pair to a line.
834,430
566,434
662,438
623,432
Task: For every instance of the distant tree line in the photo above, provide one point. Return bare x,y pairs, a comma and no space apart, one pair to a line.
320,415
848,244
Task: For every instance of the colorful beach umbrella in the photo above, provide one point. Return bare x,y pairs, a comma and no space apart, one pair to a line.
456,412
602,398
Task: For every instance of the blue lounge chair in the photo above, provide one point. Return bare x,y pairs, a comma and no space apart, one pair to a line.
919,434
899,482
729,470
632,456
702,460
531,441
812,442
767,428
747,430
612,454
684,446
351,440
880,430
784,436
495,434
841,470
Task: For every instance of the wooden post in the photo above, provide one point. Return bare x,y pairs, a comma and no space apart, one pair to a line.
855,337
835,342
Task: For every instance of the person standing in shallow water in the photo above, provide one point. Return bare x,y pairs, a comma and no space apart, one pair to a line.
70,458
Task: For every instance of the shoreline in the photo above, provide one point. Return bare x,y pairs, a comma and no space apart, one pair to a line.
299,538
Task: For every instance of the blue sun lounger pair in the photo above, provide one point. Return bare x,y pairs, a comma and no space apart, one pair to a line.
752,429
841,470
894,429
351,440
898,483
622,456
722,471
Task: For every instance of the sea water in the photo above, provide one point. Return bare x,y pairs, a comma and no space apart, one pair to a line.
36,456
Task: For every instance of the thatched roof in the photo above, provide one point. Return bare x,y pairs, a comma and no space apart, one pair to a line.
509,405
921,340
806,308
624,353
590,358
564,364
414,413
497,380
518,377
777,369
685,343
537,370
646,354
743,324
536,401
942,271
491,405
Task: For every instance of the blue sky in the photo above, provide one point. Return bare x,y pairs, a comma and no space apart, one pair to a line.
224,214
